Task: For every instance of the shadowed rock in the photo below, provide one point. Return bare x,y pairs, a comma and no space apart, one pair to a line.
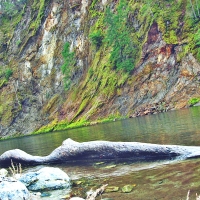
101,150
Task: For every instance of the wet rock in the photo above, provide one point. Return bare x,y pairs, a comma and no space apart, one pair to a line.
197,104
13,190
127,188
112,189
47,178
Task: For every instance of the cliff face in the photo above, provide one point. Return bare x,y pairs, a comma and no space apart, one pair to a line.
161,41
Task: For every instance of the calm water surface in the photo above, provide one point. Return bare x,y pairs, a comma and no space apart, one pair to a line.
165,180
175,127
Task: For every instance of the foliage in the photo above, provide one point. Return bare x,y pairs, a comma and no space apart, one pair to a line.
40,6
5,74
8,73
123,52
96,38
11,8
197,43
8,8
195,9
194,101
69,63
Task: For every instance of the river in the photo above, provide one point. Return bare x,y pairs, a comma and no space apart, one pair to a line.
160,180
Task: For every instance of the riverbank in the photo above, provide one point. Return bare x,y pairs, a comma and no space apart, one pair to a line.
63,125
163,181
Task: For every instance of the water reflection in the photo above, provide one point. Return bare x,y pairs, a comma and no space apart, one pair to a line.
176,127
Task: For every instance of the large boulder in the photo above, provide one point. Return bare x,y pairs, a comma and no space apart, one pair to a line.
47,178
94,151
11,189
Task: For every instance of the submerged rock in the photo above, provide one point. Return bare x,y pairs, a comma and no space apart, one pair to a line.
47,178
11,189
112,189
127,188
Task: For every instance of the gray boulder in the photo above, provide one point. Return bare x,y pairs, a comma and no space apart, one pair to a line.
47,178
3,172
11,189
94,151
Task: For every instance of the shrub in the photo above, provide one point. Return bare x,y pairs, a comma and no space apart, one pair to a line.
8,74
69,62
194,101
96,38
123,54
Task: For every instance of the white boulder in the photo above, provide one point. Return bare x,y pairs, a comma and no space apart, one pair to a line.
47,178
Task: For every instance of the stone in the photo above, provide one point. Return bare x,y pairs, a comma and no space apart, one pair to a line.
112,189
76,198
12,189
102,150
3,172
110,166
47,178
127,188
197,104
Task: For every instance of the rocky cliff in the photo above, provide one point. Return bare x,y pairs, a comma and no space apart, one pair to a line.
66,63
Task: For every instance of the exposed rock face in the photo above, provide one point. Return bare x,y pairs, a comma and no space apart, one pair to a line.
161,81
34,95
98,151
13,190
47,178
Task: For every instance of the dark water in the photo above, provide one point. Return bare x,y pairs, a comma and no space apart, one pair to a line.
175,127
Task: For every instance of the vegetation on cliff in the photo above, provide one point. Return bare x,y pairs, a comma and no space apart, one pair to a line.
102,58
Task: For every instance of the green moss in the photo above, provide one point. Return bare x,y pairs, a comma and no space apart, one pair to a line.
194,101
170,37
47,128
82,106
8,26
51,104
7,103
3,82
40,6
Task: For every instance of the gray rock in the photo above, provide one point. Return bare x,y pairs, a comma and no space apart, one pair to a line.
11,189
3,172
197,104
127,188
102,150
47,178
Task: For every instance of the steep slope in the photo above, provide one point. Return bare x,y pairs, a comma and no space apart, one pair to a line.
66,63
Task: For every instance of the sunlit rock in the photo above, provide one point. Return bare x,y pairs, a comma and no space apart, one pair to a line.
47,178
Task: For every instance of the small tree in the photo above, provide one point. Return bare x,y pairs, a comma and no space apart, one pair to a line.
123,54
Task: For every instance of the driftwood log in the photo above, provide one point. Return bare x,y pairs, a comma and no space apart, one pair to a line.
93,151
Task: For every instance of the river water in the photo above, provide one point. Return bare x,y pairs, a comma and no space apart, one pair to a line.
152,180
175,127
